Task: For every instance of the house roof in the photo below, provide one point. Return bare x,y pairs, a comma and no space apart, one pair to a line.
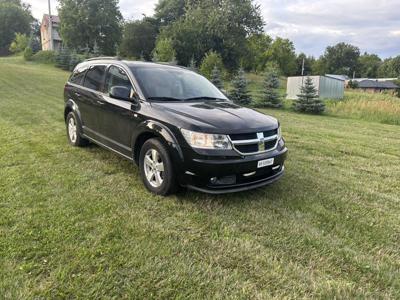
372,84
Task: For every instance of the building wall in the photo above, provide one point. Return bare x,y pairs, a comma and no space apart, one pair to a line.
327,88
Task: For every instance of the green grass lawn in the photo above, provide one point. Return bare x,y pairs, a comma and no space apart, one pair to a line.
78,223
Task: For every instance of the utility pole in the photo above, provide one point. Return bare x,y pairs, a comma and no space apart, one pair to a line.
51,27
302,67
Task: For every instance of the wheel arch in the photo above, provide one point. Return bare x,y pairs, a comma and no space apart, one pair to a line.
153,129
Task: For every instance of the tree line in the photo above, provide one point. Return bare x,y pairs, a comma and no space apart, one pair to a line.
200,33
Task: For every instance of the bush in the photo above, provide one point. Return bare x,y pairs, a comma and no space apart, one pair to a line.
211,60
28,53
164,51
63,59
20,43
74,61
45,57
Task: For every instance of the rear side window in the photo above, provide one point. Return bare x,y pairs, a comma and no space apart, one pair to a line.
95,77
117,77
78,75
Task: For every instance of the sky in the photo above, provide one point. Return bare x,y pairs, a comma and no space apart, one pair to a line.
372,25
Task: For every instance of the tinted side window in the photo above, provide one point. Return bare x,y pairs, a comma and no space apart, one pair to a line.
94,78
78,75
116,77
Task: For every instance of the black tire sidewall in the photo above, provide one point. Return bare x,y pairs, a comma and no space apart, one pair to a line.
169,184
79,141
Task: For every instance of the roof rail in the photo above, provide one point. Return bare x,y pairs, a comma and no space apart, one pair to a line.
104,58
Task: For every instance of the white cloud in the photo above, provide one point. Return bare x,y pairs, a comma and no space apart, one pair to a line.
311,24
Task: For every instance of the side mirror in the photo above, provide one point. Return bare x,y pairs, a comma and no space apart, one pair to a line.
120,93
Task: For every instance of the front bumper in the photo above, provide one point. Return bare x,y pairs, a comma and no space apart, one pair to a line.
244,170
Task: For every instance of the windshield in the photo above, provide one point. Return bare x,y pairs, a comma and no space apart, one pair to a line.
166,83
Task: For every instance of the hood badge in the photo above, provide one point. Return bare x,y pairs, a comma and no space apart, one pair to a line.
261,141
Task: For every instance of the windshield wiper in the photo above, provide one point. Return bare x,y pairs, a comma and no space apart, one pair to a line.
164,99
204,98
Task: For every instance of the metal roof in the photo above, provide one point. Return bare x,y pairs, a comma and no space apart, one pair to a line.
372,84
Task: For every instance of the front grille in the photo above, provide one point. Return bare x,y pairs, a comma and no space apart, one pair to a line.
253,143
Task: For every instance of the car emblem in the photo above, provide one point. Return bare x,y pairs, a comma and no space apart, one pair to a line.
261,141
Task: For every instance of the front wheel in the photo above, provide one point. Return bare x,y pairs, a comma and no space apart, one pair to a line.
156,168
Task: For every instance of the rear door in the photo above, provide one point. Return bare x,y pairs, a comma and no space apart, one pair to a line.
91,101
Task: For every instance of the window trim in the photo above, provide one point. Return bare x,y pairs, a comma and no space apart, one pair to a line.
127,74
91,66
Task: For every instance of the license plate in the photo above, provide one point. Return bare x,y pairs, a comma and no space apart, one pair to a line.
265,163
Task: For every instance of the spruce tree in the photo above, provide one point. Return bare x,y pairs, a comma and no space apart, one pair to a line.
271,97
240,94
216,78
308,100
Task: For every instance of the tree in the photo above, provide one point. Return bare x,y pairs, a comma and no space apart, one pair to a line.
308,100
216,78
96,50
210,61
164,51
85,22
220,25
341,59
271,97
169,11
282,52
258,45
20,43
369,65
139,38
240,94
15,17
309,62
74,60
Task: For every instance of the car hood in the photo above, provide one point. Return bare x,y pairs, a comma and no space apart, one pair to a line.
214,117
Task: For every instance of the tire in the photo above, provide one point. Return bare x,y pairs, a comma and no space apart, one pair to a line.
156,168
74,132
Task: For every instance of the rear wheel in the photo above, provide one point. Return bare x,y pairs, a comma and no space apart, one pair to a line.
74,132
156,168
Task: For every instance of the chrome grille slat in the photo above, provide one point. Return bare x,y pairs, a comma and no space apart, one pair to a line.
248,146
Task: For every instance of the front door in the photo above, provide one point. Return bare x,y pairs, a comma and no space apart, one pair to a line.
119,117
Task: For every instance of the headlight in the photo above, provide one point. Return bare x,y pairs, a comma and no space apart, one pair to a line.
279,132
206,141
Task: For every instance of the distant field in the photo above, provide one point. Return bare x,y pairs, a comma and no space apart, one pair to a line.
381,108
78,223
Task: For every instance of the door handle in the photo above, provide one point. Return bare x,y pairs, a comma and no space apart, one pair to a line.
100,102
77,94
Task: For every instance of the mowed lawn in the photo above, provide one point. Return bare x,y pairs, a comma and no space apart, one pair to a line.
78,223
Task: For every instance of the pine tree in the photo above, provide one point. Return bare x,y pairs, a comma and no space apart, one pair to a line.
240,94
308,100
216,78
271,97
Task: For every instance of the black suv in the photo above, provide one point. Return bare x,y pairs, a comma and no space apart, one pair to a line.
177,126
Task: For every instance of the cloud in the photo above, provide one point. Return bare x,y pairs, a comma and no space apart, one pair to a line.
312,25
